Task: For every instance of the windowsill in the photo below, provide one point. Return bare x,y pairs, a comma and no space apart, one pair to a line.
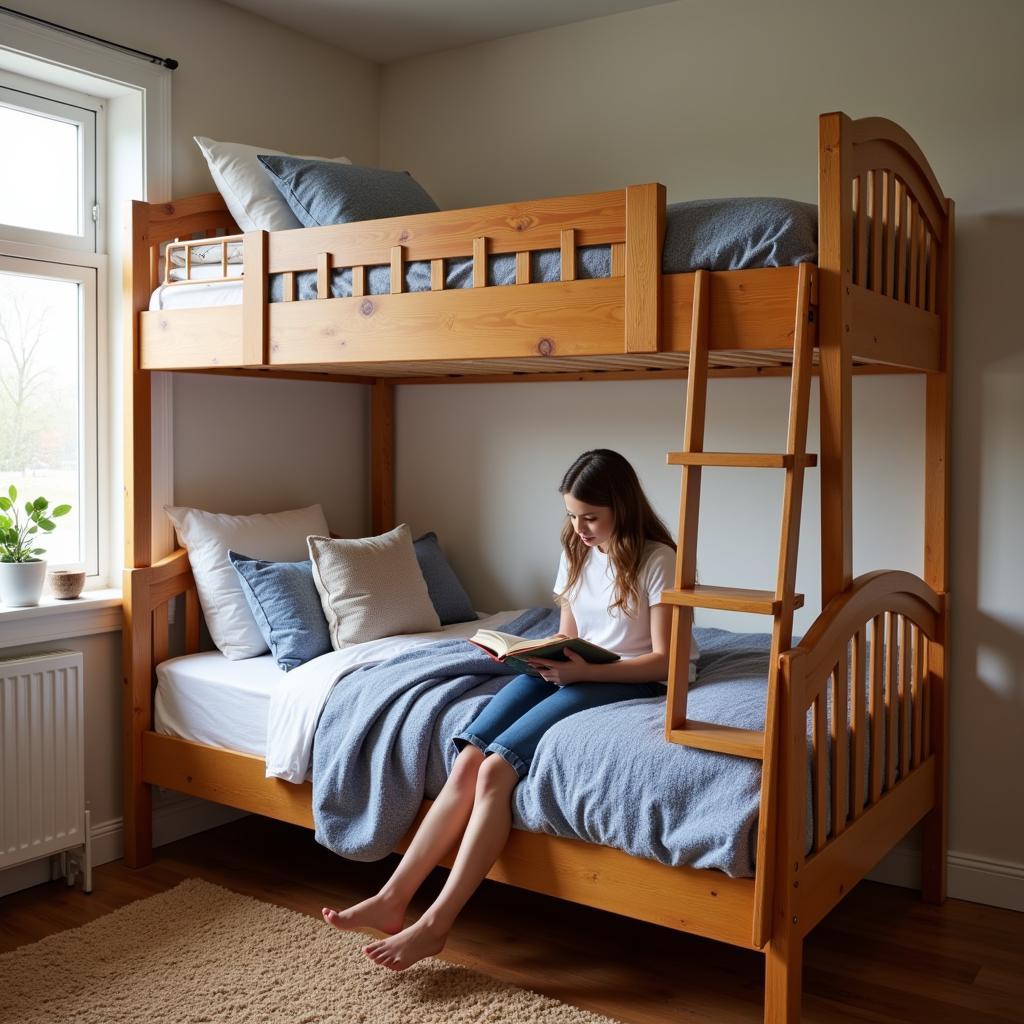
96,611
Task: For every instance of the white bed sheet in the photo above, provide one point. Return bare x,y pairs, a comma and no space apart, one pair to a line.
194,296
208,699
253,707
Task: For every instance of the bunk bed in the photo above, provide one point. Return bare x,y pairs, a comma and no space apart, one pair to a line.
878,300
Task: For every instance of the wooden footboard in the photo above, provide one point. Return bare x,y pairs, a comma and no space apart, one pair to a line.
869,680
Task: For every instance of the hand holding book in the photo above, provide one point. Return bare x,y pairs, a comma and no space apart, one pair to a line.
519,652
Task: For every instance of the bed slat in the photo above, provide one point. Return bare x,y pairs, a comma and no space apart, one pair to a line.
877,707
860,214
397,270
323,275
900,256
859,726
876,231
916,693
522,268
892,707
820,741
890,234
568,254
191,621
840,748
905,663
479,262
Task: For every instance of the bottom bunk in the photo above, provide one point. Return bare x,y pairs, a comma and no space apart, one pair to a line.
848,786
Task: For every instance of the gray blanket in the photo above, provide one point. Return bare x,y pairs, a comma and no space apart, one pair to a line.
605,775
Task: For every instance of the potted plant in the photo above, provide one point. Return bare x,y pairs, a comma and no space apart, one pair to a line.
22,571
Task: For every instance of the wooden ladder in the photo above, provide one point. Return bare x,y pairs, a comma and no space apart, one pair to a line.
687,594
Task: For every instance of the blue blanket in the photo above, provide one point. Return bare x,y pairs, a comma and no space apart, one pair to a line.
370,748
605,775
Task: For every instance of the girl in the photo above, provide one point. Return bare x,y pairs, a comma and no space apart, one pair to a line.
617,558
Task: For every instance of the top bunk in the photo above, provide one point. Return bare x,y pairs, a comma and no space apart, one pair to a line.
564,288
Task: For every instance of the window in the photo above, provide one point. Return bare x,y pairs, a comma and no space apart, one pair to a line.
52,289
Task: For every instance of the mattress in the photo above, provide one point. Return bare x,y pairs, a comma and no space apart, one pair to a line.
208,699
708,234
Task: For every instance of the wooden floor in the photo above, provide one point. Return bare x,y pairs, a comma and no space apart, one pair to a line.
882,956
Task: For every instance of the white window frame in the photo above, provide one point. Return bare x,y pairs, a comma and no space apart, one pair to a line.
87,113
89,277
138,95
78,258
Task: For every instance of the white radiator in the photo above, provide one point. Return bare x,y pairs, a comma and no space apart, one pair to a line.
42,763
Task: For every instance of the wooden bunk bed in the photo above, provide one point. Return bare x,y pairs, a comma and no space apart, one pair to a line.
879,299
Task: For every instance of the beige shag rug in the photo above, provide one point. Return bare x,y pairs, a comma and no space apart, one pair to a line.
199,954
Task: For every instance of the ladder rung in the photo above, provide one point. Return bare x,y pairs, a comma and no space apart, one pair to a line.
723,739
748,460
729,599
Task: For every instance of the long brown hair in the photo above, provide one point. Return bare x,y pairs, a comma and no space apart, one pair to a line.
605,479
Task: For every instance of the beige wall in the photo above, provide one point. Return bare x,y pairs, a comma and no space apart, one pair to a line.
719,99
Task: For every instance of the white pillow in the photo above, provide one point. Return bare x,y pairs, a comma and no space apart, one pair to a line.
371,588
208,536
251,196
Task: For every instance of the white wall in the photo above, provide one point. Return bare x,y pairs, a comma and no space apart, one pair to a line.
240,444
718,99
242,78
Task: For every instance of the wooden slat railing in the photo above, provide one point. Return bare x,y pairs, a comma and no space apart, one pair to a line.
857,727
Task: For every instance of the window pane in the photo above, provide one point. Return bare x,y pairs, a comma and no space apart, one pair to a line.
39,172
40,403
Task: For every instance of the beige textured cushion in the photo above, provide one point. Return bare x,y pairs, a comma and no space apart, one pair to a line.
371,588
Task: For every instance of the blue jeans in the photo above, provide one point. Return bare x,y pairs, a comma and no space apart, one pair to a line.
519,714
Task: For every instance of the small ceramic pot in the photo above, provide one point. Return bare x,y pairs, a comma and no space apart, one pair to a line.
21,583
66,583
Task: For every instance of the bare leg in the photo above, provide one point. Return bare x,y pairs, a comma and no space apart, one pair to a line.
438,833
485,838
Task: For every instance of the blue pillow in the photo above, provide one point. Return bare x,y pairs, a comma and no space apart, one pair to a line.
320,192
286,605
450,600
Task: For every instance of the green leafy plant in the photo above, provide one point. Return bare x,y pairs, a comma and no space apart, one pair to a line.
18,536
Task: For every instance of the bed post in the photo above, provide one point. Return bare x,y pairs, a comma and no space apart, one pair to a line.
136,636
936,570
836,377
382,456
783,954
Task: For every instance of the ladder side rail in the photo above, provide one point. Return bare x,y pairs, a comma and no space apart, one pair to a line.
689,504
782,627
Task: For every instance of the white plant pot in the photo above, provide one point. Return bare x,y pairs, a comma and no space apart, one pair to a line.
21,583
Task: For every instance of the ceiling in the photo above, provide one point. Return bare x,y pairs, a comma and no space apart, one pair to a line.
389,30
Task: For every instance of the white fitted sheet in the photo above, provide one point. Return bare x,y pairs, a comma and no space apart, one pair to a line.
236,704
197,295
208,699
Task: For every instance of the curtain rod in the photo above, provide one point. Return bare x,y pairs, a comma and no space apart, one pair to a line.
168,62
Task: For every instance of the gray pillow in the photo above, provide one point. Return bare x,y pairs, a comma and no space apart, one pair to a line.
318,194
286,605
447,595
733,234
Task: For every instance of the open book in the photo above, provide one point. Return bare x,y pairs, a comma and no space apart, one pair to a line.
512,650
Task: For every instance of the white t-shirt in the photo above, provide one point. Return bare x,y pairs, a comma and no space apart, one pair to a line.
591,599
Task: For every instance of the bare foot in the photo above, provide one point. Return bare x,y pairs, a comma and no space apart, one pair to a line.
380,912
407,947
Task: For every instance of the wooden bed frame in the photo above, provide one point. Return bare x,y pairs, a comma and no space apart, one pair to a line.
878,300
